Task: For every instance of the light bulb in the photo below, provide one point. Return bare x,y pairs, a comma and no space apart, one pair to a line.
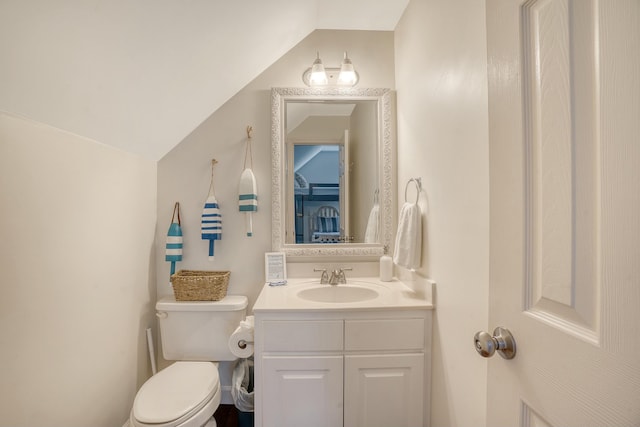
318,76
348,75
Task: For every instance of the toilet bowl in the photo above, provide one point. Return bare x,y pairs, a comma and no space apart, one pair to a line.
196,335
185,394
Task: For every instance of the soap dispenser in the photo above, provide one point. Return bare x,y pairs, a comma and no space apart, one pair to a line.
386,267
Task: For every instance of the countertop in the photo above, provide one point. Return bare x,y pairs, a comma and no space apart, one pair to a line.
392,296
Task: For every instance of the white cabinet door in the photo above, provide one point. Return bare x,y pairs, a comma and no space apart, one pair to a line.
303,391
564,85
384,391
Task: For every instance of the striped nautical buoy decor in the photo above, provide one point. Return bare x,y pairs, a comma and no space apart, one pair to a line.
211,223
173,251
247,192
211,217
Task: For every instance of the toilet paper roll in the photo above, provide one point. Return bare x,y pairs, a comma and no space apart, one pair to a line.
241,335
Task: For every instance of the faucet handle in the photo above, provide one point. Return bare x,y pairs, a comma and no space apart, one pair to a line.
324,277
342,278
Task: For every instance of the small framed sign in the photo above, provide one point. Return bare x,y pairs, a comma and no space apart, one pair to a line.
275,266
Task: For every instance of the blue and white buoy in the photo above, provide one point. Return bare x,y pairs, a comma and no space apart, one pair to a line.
211,217
173,249
211,223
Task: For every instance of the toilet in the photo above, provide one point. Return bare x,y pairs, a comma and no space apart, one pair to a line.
196,335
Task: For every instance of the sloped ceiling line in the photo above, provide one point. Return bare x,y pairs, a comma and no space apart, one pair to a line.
142,75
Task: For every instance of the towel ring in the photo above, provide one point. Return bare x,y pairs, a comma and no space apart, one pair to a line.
418,183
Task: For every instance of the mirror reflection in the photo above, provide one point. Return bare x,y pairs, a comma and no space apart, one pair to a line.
332,175
319,193
332,171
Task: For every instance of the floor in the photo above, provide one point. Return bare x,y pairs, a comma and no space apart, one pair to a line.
226,416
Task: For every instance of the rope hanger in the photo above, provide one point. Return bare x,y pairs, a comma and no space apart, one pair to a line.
212,191
248,150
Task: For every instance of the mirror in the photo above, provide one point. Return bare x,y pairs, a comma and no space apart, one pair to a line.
332,154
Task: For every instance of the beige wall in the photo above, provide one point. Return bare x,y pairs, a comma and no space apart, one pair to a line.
139,75
184,173
79,268
330,128
441,83
77,285
363,155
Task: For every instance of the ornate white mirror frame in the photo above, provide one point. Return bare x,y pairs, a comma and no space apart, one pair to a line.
386,155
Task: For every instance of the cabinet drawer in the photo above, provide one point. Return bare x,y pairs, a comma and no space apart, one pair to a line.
392,334
325,335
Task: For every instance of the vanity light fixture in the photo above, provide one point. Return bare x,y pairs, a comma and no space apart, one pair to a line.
319,76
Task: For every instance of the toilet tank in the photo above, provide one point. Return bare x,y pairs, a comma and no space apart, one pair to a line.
199,330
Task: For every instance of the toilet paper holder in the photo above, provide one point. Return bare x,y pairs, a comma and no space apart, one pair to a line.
243,343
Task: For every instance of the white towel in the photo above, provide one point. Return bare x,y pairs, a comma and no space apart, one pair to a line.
371,233
407,250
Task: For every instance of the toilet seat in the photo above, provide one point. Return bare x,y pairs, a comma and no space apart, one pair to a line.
183,392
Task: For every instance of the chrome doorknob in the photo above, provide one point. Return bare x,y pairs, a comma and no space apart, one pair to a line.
502,341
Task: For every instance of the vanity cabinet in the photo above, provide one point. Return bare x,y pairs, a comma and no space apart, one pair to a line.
383,390
384,372
302,390
301,372
342,369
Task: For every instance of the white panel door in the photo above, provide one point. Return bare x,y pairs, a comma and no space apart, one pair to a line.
564,116
303,391
384,391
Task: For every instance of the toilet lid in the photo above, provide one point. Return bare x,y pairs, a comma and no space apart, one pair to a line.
176,391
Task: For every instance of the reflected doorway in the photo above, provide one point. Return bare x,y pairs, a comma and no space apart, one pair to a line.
320,182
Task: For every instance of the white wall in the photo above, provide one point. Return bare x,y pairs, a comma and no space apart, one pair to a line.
320,127
184,173
363,180
78,286
156,69
441,83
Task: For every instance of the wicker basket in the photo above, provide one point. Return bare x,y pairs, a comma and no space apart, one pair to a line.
193,285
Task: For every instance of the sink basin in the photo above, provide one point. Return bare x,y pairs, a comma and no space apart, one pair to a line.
337,293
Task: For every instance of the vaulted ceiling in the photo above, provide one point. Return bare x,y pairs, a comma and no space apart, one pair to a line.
140,75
